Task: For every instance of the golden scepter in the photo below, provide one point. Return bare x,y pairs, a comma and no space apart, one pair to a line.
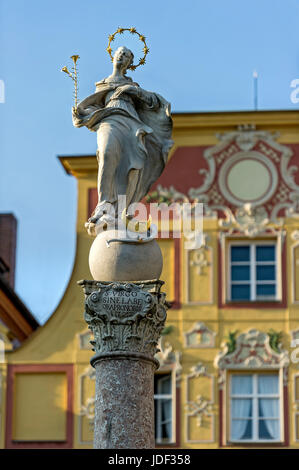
74,77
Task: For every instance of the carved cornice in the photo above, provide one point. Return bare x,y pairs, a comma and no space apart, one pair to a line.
126,318
79,166
208,123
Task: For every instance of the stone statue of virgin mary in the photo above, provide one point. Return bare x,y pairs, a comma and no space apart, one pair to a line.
133,136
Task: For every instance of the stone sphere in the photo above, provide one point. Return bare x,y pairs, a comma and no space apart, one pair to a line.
121,261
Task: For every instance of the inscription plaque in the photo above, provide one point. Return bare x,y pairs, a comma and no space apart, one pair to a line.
122,301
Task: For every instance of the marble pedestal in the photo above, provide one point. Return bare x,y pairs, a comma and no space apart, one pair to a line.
126,319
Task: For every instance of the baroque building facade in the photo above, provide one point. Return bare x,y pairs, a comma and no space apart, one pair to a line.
229,354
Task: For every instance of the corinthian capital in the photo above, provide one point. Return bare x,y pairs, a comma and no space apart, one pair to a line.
126,318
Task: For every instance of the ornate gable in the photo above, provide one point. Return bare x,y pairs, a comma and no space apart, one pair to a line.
226,174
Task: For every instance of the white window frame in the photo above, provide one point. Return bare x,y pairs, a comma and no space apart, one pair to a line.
252,262
255,396
172,397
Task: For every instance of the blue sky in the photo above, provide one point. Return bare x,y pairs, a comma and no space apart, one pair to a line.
202,56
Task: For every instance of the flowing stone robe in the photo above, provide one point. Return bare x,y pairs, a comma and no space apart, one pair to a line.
133,136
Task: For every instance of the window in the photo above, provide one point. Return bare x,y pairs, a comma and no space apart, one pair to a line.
163,408
255,408
253,271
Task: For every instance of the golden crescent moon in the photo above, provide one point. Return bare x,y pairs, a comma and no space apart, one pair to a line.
124,217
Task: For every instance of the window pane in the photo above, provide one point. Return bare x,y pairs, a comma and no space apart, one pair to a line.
265,253
247,422
166,431
241,384
265,273
241,408
265,290
269,429
163,419
241,429
240,253
162,384
268,384
268,408
240,273
166,409
205,338
240,292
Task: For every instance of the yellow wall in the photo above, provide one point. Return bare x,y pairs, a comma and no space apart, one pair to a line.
40,399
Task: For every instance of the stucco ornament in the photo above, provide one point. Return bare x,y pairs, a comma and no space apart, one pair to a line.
200,407
252,349
168,358
133,129
125,318
249,220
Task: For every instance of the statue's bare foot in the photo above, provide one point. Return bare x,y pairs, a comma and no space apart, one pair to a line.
94,228
93,219
91,229
100,211
98,222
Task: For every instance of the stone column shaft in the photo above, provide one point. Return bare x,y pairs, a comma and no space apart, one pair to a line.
126,320
124,408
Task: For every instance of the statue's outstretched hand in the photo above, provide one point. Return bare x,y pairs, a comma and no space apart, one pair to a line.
76,117
79,112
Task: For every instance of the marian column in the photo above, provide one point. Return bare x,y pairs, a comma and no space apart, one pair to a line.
124,306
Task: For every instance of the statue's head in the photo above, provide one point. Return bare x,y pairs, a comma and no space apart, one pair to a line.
123,58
